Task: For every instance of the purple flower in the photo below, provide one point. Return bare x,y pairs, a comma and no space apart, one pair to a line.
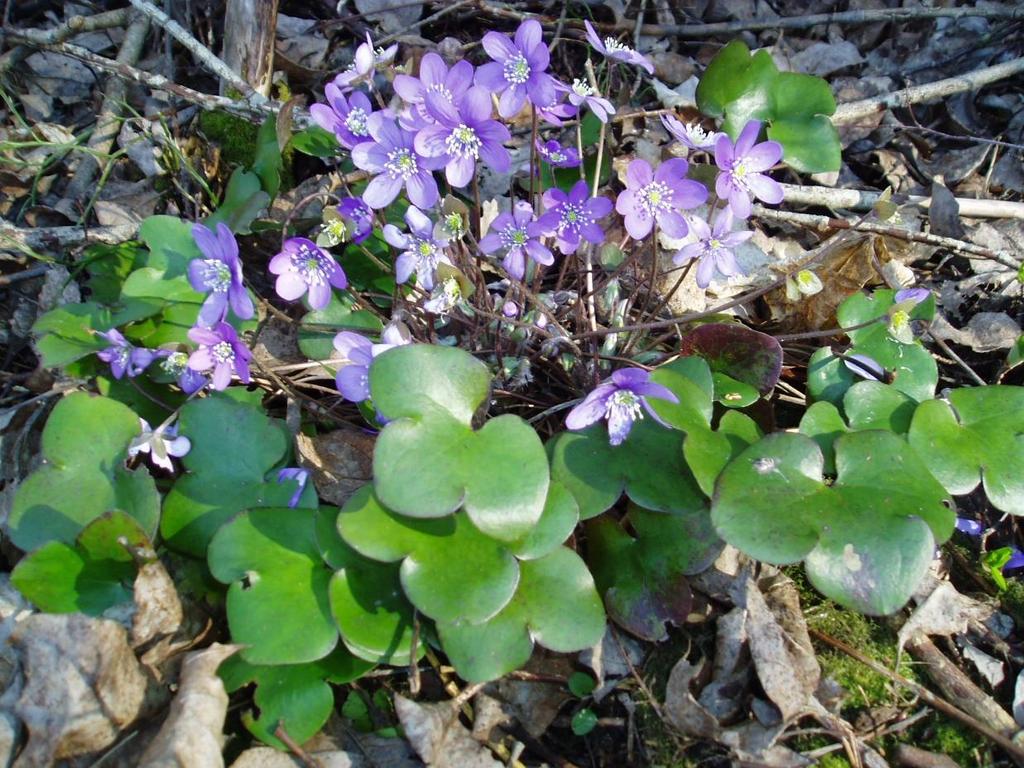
220,273
300,476
435,77
741,167
573,216
302,265
691,135
176,364
463,134
345,118
651,197
970,527
358,218
357,352
392,156
422,251
866,367
620,401
517,71
912,296
557,156
1016,560
558,111
713,247
366,62
221,351
518,232
122,356
613,49
161,444
582,94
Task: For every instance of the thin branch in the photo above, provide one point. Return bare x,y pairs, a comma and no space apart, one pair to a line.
832,222
864,200
60,239
210,60
939,89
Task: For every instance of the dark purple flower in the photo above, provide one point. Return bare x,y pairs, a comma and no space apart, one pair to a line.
422,251
713,247
518,232
613,49
651,197
464,133
581,94
518,69
435,77
302,265
970,527
366,63
219,273
220,350
358,218
1016,560
357,352
620,400
300,476
122,356
691,135
345,118
573,216
742,165
176,364
554,154
392,156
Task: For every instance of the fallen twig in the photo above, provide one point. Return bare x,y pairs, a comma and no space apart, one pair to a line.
108,122
59,239
855,110
832,222
864,200
933,700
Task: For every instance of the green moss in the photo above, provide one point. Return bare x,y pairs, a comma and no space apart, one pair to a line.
1012,600
964,746
236,137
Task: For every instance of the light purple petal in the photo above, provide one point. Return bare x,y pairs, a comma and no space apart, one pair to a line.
422,189
763,156
382,190
639,174
491,76
747,138
638,224
764,188
353,382
498,46
591,409
404,266
290,286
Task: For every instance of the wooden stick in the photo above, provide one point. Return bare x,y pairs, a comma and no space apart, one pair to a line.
855,110
250,28
934,701
864,200
60,239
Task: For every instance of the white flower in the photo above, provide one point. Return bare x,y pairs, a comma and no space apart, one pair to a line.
161,444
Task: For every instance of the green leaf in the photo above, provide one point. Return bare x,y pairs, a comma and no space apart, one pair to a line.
295,696
315,141
171,245
557,522
318,328
84,444
643,579
583,722
690,380
243,201
809,145
732,393
555,605
90,577
975,435
866,540
277,603
372,613
797,95
66,333
268,162
234,447
581,684
449,570
107,267
708,451
737,85
498,474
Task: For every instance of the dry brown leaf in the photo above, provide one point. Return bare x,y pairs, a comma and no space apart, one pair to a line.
682,709
439,738
83,685
340,462
943,612
730,675
158,611
192,735
534,704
